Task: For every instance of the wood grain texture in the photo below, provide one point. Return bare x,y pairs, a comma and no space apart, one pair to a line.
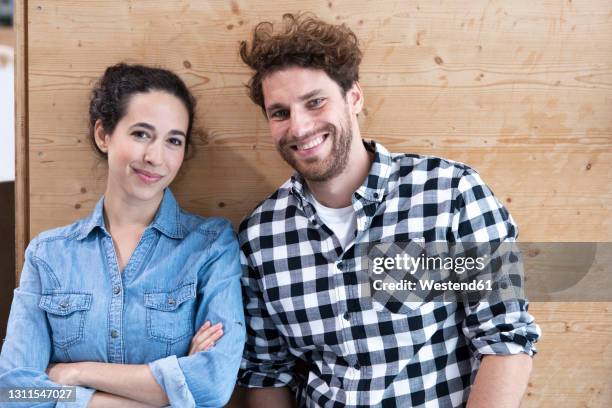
22,168
521,91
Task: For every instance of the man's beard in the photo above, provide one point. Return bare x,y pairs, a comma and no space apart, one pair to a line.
320,170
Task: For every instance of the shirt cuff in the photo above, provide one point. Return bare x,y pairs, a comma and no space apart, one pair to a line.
83,396
170,377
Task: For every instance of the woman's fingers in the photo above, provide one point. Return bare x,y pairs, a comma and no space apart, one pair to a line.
205,326
208,342
204,332
206,336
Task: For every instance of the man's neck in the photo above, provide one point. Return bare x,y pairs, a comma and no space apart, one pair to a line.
338,192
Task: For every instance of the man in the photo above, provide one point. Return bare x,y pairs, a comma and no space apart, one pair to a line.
305,300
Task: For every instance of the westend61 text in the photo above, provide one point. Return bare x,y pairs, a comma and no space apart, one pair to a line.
475,285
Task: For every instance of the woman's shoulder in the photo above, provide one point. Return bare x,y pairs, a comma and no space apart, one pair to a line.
56,240
64,232
206,225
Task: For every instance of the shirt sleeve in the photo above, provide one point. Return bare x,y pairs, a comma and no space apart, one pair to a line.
498,324
266,361
26,352
207,378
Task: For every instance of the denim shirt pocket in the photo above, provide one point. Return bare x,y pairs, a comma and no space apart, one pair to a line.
170,314
66,313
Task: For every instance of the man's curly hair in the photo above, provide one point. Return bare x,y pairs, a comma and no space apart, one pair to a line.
304,41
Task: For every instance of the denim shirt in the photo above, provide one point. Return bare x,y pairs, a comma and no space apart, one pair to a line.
73,304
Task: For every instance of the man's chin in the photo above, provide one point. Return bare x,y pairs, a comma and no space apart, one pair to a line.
315,174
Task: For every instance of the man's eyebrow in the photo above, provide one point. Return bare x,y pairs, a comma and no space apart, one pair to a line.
304,97
310,94
274,106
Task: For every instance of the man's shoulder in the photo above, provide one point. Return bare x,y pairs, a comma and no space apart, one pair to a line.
270,208
406,163
413,174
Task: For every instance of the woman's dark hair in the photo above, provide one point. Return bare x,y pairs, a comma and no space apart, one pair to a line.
302,41
111,95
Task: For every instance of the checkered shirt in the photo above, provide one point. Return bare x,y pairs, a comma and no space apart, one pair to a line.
305,298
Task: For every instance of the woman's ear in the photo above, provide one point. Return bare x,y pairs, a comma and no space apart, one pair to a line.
100,136
355,98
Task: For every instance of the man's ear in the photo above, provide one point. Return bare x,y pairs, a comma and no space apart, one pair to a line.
355,98
100,136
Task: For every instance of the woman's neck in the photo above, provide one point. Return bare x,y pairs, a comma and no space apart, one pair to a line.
121,212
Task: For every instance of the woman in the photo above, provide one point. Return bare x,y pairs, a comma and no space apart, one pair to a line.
109,304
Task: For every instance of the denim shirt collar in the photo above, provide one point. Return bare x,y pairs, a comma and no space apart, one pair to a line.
374,185
166,221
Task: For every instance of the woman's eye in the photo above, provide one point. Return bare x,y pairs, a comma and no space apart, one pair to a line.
139,134
175,141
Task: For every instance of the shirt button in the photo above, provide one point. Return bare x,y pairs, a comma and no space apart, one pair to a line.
375,195
340,265
357,366
114,334
116,290
347,316
171,301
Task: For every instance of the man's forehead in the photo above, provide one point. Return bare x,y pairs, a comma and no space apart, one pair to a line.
296,82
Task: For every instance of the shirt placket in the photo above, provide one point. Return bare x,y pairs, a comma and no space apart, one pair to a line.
356,372
115,320
115,314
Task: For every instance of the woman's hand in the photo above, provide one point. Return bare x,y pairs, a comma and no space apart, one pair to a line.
64,373
206,337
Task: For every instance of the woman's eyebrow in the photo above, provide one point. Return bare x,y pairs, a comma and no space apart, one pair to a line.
144,125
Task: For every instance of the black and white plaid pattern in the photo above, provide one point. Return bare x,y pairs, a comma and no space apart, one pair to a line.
306,298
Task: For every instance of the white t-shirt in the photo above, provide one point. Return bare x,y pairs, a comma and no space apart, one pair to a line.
342,221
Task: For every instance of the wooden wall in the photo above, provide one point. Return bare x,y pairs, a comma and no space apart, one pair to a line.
520,90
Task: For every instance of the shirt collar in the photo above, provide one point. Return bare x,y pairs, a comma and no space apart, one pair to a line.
374,185
166,221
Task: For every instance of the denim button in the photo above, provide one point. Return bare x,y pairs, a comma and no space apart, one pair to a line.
114,334
171,301
64,305
116,290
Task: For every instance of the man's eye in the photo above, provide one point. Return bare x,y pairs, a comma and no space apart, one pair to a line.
279,114
175,141
315,103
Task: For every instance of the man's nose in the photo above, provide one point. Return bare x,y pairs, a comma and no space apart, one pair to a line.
301,123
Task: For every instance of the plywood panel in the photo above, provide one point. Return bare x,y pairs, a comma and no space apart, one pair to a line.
521,91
